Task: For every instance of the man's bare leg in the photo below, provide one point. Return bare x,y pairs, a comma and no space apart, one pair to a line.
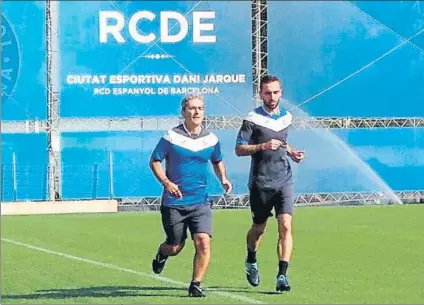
164,251
253,239
285,238
202,257
284,250
201,260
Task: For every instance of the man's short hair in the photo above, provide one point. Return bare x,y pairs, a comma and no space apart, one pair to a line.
268,79
188,98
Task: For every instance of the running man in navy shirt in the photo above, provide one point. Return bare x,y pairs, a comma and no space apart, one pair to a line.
187,150
263,136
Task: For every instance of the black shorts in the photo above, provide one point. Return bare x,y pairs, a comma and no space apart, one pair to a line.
176,221
262,201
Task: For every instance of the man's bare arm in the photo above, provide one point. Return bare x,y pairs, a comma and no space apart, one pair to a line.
220,171
222,176
294,154
289,149
160,174
248,149
158,171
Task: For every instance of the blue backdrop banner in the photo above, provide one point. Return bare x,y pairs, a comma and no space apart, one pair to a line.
349,58
24,162
23,60
139,58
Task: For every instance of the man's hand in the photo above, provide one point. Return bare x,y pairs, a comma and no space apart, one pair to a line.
173,189
297,155
226,184
272,145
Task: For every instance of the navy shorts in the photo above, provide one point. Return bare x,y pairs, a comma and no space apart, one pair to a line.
177,219
263,201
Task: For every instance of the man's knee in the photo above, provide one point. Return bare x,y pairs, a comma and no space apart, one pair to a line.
202,242
172,250
284,224
258,229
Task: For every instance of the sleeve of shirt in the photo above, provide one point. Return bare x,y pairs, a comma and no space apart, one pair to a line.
216,154
245,133
161,150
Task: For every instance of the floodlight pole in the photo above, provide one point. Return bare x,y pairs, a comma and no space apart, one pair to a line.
259,45
53,135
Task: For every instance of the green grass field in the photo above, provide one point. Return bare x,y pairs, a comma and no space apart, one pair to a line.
365,254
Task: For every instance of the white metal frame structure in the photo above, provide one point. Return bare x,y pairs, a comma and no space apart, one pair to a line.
213,122
241,201
54,125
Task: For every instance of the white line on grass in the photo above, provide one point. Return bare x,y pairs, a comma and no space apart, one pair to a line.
144,274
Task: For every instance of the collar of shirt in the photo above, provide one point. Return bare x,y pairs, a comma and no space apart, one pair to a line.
189,133
281,112
269,113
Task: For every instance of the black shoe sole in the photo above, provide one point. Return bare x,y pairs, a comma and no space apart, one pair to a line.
283,289
251,283
196,296
198,293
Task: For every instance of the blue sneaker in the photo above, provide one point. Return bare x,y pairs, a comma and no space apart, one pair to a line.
282,284
252,274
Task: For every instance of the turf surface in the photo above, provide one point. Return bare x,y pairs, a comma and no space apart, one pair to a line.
366,254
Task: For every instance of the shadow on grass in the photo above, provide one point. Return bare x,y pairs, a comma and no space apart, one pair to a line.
242,290
102,292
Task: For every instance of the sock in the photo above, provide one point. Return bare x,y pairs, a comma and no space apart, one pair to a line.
195,283
251,256
282,267
160,256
